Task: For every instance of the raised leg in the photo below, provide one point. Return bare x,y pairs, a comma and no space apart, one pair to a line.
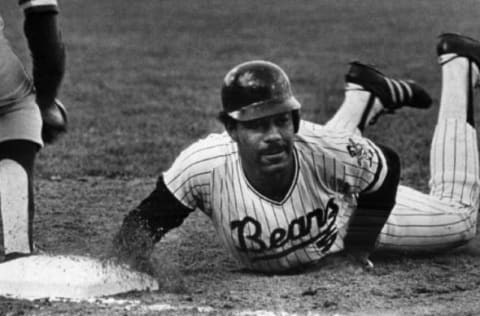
369,94
447,216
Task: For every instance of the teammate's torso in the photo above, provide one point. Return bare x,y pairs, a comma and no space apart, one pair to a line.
15,83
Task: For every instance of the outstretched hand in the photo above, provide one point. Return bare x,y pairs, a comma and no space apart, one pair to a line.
133,245
55,121
362,259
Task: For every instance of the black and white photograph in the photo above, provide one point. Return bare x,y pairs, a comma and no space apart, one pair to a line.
243,158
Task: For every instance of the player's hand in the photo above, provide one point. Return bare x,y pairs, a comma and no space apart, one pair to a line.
133,245
55,121
361,258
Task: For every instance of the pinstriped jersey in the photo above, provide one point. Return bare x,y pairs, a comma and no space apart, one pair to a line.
331,168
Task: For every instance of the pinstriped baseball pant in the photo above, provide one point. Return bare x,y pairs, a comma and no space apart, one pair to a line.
447,216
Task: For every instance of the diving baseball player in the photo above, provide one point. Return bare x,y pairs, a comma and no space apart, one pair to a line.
283,193
30,115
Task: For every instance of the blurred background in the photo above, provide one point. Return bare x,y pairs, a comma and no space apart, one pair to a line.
143,77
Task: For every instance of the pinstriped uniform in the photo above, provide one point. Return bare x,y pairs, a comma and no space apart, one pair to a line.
308,223
447,216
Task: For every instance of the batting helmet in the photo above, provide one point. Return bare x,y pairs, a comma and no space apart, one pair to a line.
256,89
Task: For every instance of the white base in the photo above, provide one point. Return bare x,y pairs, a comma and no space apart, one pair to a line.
74,277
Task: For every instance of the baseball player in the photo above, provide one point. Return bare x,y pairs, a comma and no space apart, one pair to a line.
283,193
30,115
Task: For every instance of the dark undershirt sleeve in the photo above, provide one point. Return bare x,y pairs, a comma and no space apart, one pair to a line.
48,53
161,211
373,209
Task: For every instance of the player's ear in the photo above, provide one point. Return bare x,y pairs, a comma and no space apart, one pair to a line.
231,129
229,123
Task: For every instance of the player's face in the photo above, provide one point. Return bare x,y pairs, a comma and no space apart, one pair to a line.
266,145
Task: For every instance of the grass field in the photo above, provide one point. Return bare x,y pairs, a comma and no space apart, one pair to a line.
143,81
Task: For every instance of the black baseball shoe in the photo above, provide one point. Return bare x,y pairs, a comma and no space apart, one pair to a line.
16,255
393,93
460,45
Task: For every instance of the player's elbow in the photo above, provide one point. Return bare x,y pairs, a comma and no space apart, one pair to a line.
393,163
384,197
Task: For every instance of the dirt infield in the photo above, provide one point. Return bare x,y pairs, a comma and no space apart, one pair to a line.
197,276
143,81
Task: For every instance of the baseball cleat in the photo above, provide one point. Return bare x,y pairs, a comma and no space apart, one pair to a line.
393,93
15,255
460,46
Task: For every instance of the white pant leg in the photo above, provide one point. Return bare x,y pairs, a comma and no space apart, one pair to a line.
14,207
454,163
351,112
447,216
422,222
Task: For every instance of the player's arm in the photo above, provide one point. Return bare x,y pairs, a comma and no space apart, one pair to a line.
46,47
146,224
373,208
48,57
184,187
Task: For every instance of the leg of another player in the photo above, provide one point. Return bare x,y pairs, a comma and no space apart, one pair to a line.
16,196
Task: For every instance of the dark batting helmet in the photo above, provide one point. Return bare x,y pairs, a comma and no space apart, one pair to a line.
256,89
